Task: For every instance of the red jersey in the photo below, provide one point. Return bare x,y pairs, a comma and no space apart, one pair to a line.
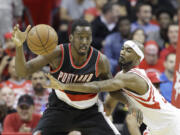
158,67
12,122
19,87
166,51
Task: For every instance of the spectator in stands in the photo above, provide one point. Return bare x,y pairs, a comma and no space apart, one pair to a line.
144,15
176,16
158,4
7,94
164,17
24,120
3,112
91,13
39,94
139,35
18,85
10,11
39,11
151,62
63,32
104,25
167,77
173,39
123,8
114,42
74,9
4,61
9,44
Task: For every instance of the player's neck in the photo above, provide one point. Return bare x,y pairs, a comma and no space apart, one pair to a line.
128,66
78,60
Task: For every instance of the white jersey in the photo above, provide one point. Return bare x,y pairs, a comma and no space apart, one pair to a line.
159,115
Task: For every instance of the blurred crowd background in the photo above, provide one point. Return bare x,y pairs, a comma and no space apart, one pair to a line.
153,23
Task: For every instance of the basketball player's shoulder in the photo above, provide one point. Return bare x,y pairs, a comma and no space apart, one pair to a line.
59,50
103,59
103,63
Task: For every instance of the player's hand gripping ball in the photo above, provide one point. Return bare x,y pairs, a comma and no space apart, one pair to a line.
42,39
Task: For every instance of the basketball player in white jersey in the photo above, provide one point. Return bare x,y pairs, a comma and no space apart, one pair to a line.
160,116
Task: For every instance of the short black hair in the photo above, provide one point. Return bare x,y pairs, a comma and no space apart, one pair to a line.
139,5
107,7
167,56
122,18
79,22
164,10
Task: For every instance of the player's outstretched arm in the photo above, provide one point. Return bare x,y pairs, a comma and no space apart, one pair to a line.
22,67
130,81
91,87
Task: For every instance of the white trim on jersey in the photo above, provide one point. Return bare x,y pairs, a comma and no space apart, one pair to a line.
77,104
111,124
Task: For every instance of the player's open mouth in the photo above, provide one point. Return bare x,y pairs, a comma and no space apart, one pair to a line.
83,49
121,57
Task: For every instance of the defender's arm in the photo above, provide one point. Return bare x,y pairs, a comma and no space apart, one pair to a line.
130,81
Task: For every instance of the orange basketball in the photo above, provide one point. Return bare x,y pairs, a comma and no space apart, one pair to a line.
42,39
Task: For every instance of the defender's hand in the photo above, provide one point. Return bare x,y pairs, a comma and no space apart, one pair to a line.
54,83
137,113
18,36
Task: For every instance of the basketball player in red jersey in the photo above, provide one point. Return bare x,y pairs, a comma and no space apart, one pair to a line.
75,62
160,116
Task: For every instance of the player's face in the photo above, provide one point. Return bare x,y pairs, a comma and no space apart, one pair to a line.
82,38
127,56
